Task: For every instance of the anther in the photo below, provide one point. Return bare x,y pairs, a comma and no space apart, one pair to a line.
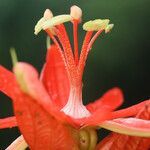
95,25
47,16
75,12
108,28
56,21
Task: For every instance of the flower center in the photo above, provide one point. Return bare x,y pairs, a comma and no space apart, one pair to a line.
73,61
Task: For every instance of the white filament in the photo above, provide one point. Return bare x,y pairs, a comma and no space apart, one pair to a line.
74,106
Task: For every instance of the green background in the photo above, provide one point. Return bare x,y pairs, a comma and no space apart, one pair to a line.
120,58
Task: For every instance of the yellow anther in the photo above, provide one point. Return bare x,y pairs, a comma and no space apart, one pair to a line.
75,12
47,16
56,21
101,23
95,25
108,28
88,26
38,26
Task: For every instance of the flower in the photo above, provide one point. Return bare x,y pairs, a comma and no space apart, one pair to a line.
48,109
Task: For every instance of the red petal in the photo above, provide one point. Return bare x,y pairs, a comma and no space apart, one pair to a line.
95,119
55,78
27,78
129,126
8,122
130,111
123,142
108,142
102,108
118,141
109,101
8,83
40,129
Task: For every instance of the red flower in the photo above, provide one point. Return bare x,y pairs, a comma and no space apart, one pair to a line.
48,109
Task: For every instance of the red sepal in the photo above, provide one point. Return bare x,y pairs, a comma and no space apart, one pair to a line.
27,77
55,77
8,122
124,142
36,124
8,84
109,101
40,129
130,111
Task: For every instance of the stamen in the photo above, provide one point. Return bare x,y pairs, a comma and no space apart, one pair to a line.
38,26
47,15
75,35
108,28
85,50
98,24
56,21
93,39
75,12
63,37
58,46
84,53
53,38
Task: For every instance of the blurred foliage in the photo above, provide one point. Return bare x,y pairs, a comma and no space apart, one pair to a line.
120,58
